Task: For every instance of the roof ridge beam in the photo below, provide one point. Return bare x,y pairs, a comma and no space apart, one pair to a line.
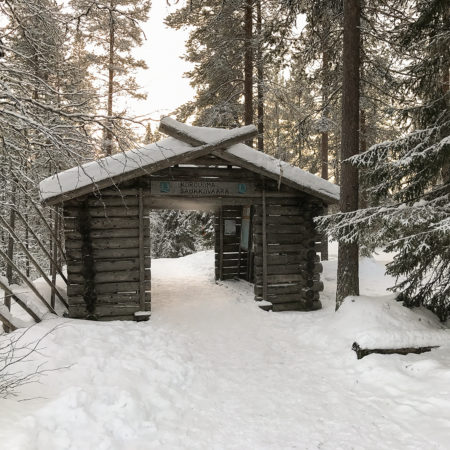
181,131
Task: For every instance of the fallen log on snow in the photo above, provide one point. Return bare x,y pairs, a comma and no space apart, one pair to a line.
361,352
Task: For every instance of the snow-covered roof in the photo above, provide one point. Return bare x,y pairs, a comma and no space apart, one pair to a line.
123,166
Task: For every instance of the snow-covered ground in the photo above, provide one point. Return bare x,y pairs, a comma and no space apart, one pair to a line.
210,370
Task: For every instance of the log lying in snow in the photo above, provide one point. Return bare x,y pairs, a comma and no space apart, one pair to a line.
361,352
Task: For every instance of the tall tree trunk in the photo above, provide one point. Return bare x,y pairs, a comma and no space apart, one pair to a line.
445,171
10,248
260,73
363,148
248,65
324,139
348,271
337,166
109,123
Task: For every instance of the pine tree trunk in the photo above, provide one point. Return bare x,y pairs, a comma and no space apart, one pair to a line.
260,73
363,148
445,88
248,65
109,124
347,276
324,142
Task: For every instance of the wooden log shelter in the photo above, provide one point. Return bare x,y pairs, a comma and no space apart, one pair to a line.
263,207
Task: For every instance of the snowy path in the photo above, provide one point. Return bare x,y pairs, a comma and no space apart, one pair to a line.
212,371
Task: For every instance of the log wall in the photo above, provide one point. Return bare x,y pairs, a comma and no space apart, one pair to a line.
108,240
292,265
121,269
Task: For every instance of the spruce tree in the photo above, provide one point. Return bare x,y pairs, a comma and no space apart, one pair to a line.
409,176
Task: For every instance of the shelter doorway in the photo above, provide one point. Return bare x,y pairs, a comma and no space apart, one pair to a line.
226,229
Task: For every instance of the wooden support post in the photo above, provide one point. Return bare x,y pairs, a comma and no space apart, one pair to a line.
250,259
264,244
87,258
221,243
141,252
54,260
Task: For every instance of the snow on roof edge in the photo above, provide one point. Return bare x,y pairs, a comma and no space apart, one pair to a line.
108,167
301,178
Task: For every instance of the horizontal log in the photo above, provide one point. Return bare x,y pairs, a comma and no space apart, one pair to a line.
294,288
283,249
111,298
210,204
108,277
107,201
282,201
79,311
284,210
110,265
286,278
110,234
283,229
106,243
108,288
237,215
116,191
273,238
286,250
283,269
197,173
229,277
110,211
233,255
299,258
229,248
231,238
277,220
71,223
231,263
74,255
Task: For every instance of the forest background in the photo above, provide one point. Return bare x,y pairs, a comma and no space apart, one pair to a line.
67,66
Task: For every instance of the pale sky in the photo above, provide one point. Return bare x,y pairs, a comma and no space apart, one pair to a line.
163,81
